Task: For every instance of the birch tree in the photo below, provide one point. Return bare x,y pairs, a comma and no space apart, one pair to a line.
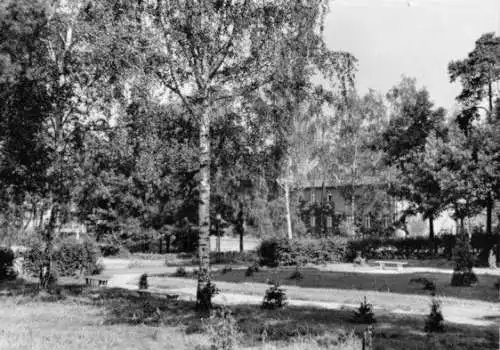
210,54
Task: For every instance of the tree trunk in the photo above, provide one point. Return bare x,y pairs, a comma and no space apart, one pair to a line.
353,211
46,265
241,226
288,214
322,214
431,228
431,234
203,295
489,213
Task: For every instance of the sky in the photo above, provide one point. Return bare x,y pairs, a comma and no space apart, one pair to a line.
417,38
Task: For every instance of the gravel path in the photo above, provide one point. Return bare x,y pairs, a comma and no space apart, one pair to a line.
460,311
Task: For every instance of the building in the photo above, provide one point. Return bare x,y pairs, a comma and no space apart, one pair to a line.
326,206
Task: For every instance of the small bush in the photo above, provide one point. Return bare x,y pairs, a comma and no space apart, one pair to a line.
426,283
135,264
205,295
435,320
7,264
364,314
143,281
252,269
109,249
296,275
180,272
226,269
275,297
222,329
463,275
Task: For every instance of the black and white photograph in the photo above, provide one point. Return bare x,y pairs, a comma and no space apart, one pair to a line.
249,174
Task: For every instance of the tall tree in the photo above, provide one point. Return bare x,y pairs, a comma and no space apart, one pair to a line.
413,120
61,70
478,74
207,53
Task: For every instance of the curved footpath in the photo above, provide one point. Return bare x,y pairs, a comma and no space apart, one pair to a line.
462,311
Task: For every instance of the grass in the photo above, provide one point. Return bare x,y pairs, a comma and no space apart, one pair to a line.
31,323
396,283
79,318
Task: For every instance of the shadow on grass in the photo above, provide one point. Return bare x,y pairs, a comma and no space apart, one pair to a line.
328,328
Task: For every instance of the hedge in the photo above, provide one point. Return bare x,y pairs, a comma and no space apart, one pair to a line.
402,248
70,257
229,258
280,251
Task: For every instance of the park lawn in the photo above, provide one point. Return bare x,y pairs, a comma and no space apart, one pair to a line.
396,283
64,325
121,319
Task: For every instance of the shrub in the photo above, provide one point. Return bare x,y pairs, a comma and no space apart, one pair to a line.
7,264
229,258
143,281
435,320
464,261
274,251
226,269
135,264
270,251
180,272
205,295
482,244
296,275
364,314
252,269
427,284
73,257
109,249
275,297
222,329
70,257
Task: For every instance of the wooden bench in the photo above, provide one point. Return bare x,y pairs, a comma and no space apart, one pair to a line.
96,281
383,263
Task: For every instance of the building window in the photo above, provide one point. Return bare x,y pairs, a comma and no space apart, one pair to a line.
350,220
313,196
367,222
313,221
387,221
329,221
330,197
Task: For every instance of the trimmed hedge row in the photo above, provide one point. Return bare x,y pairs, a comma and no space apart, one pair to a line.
402,248
280,251
229,258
